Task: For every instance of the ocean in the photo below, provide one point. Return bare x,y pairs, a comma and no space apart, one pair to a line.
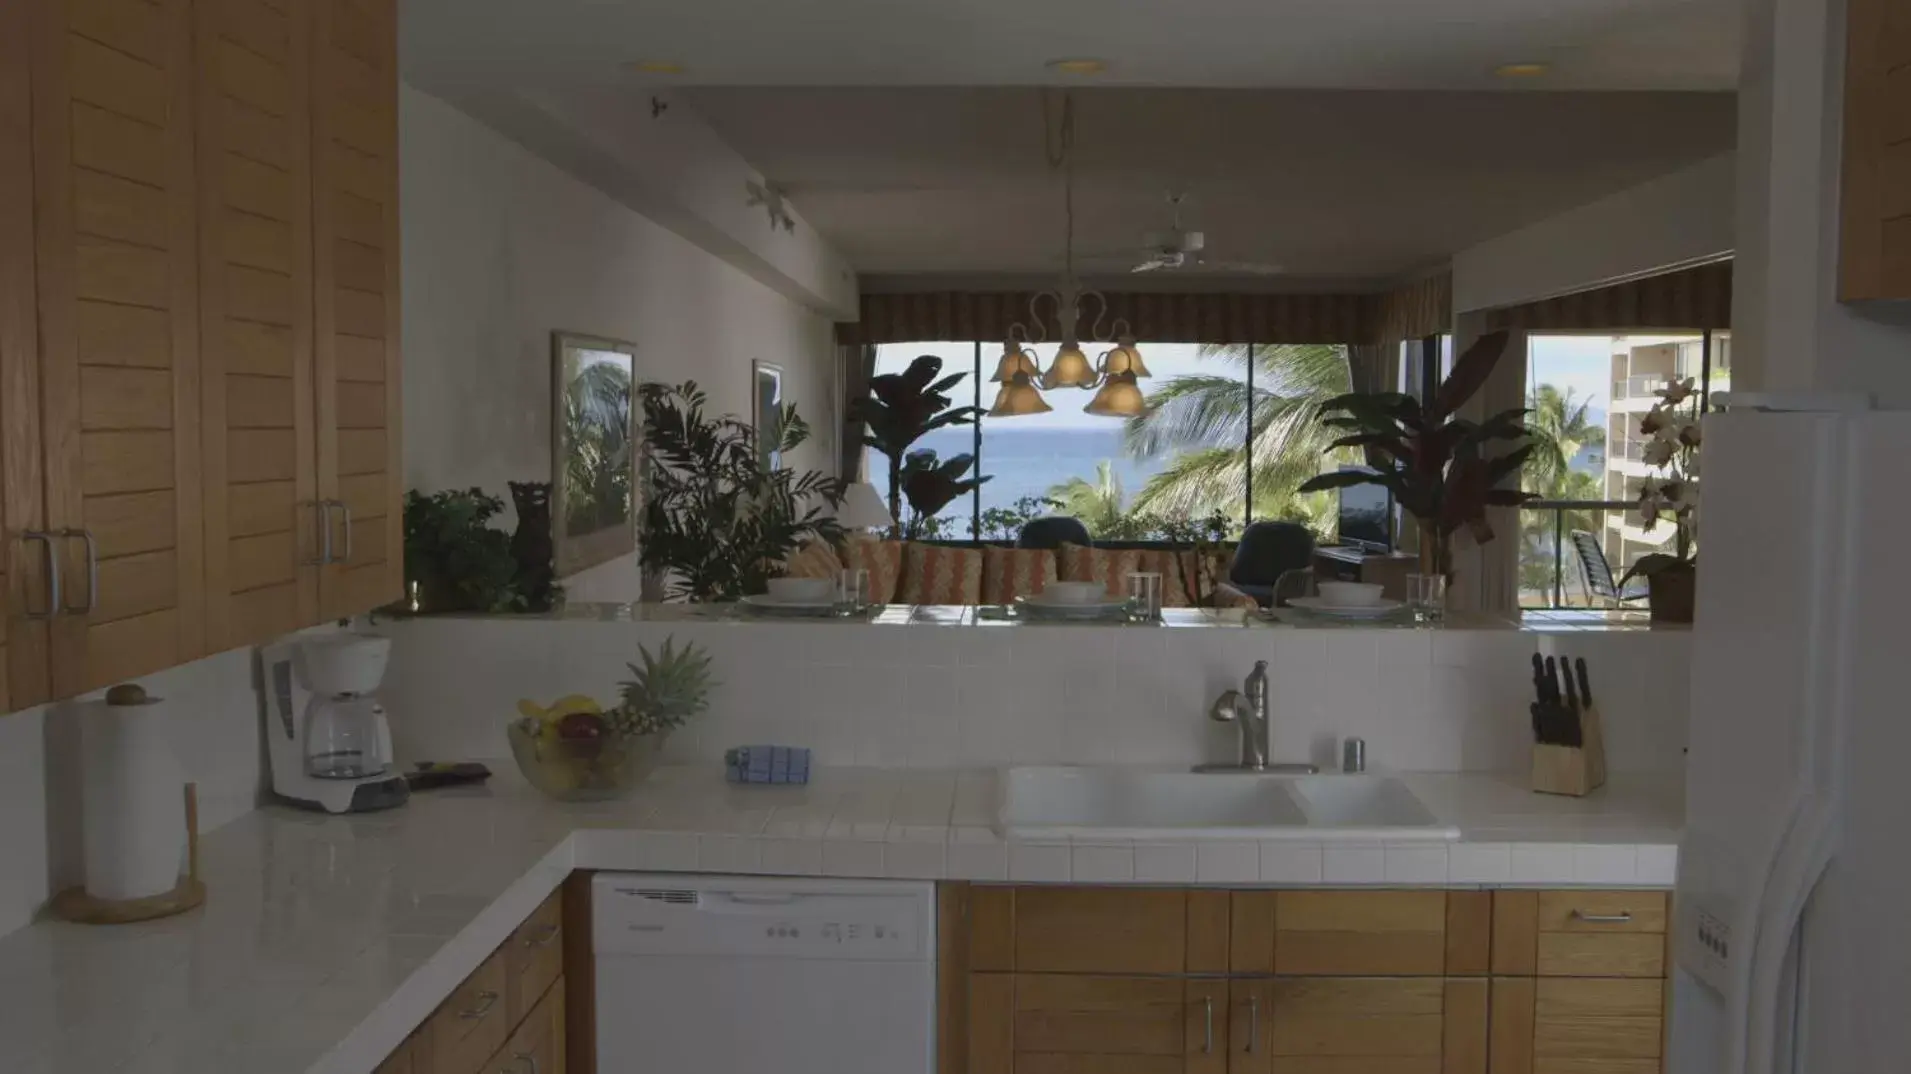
1028,462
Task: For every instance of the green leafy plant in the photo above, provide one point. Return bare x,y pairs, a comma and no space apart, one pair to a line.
665,693
717,521
457,561
1005,523
930,484
902,408
1434,462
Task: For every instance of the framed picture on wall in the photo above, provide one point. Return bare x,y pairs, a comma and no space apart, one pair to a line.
594,450
766,411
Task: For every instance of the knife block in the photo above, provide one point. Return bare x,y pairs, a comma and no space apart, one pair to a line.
1573,770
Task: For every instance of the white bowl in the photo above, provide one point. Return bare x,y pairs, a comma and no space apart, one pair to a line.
1073,592
802,590
1351,594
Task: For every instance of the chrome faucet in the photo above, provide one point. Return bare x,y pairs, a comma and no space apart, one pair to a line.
1248,709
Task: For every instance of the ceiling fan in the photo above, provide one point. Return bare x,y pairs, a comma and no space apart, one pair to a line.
1178,248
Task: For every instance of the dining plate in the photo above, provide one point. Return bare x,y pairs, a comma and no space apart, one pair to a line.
763,602
1055,609
1319,606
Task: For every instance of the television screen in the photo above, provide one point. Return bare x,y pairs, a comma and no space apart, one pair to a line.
1366,516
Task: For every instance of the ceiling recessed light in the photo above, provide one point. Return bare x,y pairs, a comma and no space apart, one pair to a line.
1520,70
657,67
1078,67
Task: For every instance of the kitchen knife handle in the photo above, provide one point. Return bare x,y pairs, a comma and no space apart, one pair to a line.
1585,684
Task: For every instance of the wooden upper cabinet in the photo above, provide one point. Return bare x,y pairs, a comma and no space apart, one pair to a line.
23,659
355,285
255,299
1875,247
115,245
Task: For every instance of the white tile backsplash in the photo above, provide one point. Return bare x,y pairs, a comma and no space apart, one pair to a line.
940,697
1354,865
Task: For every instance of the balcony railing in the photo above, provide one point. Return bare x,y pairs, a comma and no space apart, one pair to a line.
1550,574
1637,387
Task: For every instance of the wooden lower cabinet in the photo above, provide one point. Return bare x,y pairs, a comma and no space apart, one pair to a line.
1059,980
509,1016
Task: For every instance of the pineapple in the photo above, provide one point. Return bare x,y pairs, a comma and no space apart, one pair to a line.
665,692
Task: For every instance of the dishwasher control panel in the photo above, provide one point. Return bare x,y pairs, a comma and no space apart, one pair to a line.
762,917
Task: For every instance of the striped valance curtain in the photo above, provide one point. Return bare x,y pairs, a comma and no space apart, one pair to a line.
958,316
1415,310
1696,298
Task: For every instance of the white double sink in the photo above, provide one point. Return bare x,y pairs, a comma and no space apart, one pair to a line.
1138,804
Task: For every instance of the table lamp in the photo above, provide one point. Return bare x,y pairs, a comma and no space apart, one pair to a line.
863,509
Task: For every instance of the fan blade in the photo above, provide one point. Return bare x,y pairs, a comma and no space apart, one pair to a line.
1150,266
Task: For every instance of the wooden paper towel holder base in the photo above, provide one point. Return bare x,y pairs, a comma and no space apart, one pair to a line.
74,904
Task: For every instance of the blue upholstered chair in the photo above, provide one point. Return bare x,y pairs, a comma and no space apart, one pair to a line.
1051,532
1267,551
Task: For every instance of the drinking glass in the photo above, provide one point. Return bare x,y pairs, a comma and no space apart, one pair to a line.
852,590
1144,596
1427,596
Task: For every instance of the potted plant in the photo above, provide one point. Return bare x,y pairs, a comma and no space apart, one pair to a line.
575,750
1434,462
718,522
1672,445
900,409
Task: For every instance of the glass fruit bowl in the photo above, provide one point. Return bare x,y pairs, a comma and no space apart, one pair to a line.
578,766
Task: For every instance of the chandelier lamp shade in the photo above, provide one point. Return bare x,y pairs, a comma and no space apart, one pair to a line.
1113,375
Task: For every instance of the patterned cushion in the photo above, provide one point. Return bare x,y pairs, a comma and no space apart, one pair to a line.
933,574
883,561
1178,568
816,559
1109,566
1008,573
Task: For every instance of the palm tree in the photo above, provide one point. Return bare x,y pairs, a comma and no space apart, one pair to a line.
597,468
1203,422
1559,425
1098,504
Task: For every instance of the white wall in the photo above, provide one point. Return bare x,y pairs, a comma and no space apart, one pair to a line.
1676,219
502,248
928,696
213,718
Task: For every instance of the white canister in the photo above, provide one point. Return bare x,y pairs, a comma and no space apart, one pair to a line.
133,797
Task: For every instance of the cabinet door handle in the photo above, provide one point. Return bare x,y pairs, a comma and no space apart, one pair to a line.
92,572
486,1000
324,509
346,510
53,605
1623,917
545,935
1253,1021
1207,1013
529,1061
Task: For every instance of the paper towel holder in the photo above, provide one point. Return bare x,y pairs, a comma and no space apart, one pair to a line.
74,904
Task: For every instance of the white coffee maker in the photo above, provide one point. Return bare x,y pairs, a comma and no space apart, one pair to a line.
328,740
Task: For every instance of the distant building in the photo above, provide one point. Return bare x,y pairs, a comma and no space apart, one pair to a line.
1638,370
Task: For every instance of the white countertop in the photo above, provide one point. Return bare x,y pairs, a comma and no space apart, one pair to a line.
325,940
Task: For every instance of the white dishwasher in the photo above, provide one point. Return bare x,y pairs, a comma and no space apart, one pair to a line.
720,974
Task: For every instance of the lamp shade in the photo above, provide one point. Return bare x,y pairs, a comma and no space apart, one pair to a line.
1119,398
1125,358
863,509
1071,369
1014,360
1017,398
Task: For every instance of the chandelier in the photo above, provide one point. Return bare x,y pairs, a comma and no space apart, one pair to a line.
1113,375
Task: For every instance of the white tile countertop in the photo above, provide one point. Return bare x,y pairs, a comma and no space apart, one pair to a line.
325,940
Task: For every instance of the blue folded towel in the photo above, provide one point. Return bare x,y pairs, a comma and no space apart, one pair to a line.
767,764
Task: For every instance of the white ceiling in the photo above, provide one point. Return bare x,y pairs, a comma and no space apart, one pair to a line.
909,133
1361,186
1342,44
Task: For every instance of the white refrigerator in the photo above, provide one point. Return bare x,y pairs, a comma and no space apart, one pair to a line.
1793,909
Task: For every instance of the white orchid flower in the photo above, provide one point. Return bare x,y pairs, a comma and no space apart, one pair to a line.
1658,452
1676,391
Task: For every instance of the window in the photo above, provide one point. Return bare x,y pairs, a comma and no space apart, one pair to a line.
1191,457
1587,394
